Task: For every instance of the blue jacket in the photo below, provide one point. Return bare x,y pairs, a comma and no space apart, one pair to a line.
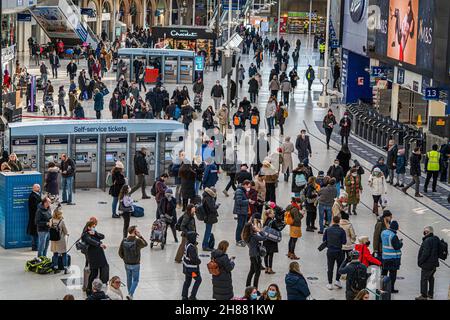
335,237
401,164
240,202
391,245
210,176
98,102
296,286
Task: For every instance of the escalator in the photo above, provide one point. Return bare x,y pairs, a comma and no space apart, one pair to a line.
61,19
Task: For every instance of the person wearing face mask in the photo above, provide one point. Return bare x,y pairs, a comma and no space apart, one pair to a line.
191,267
167,209
346,125
414,163
381,225
428,261
96,259
353,187
377,184
329,121
365,256
252,236
271,246
125,207
250,293
303,146
344,157
339,205
336,172
272,293
391,253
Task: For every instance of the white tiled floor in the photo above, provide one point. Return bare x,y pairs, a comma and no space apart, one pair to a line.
162,279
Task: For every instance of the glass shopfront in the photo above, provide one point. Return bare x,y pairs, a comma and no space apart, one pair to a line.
8,30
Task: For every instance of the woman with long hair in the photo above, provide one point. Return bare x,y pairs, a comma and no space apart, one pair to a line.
223,283
271,246
311,198
252,237
272,293
344,157
126,207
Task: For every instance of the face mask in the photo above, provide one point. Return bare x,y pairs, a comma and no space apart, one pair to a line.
254,296
344,204
93,229
345,117
336,164
425,233
247,189
169,196
354,174
271,293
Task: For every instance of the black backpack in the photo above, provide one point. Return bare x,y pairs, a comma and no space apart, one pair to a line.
153,189
200,212
443,249
55,232
130,250
359,278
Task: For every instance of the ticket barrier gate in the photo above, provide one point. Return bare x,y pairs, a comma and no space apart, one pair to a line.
85,149
26,149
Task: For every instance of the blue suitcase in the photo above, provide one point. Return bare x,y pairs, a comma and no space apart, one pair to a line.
138,211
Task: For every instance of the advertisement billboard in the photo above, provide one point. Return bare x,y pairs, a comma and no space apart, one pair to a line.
54,22
405,33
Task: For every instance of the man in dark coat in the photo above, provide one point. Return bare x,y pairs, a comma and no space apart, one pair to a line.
346,126
303,146
33,201
140,170
428,261
210,207
240,209
222,283
414,164
191,267
356,275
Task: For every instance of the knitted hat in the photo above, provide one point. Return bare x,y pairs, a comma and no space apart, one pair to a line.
393,225
168,191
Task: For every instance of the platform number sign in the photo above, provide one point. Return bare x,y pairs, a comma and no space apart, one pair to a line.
432,93
377,72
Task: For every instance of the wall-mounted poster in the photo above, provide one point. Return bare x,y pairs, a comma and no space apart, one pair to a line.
53,21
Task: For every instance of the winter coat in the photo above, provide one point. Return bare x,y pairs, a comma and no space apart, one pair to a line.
100,295
114,294
187,224
344,161
379,228
377,185
98,101
198,87
400,167
160,190
208,119
15,165
365,256
167,208
414,162
223,115
51,181
240,202
260,187
274,85
279,116
336,172
243,175
95,254
327,195
271,109
295,172
335,238
271,246
33,202
285,86
68,166
61,96
303,147
296,286
140,244
42,218
72,102
209,204
223,283
59,246
254,244
253,86
428,257
349,233
188,176
217,91
346,125
392,157
140,164
287,150
329,122
353,190
118,180
241,74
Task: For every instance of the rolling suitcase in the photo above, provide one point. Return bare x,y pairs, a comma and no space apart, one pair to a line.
86,274
384,293
61,264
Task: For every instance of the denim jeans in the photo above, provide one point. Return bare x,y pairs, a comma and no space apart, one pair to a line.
132,277
115,201
322,210
197,186
208,228
55,260
67,183
338,188
270,124
241,221
43,240
34,242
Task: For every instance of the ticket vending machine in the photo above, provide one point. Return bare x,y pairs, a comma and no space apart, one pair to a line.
114,148
169,147
171,70
86,160
26,150
147,141
186,70
54,147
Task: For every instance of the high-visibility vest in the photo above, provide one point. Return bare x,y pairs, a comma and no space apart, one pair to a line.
322,47
388,251
433,160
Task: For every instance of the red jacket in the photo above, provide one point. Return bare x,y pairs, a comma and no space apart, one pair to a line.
365,256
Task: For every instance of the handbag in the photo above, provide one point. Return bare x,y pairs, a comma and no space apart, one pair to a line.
125,209
322,246
105,91
262,251
55,232
271,234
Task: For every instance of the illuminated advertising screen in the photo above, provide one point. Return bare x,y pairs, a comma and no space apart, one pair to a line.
54,22
404,33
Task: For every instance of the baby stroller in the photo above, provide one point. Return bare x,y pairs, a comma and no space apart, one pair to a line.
198,102
48,109
158,234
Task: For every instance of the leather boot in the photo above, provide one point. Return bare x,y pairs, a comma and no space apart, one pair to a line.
375,208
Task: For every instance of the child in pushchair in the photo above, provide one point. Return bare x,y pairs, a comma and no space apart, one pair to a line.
49,108
159,233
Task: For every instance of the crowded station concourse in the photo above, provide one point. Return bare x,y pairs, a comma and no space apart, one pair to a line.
297,211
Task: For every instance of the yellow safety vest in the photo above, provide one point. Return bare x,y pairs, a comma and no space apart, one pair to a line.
322,48
433,160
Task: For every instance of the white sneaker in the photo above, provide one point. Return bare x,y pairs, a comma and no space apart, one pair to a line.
329,287
338,284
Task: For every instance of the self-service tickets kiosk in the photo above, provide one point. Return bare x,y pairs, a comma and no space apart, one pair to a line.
147,141
86,160
54,148
169,147
115,149
26,150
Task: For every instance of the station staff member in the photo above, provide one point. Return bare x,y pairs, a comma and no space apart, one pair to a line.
432,166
